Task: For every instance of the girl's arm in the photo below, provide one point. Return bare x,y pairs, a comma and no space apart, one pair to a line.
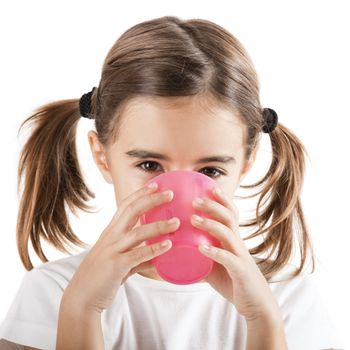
78,327
265,334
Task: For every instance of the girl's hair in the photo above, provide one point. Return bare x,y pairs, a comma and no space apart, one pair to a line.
166,56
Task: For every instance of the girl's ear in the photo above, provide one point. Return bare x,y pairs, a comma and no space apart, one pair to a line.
99,155
249,163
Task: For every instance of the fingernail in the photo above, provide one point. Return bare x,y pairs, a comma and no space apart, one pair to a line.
205,246
172,221
153,185
217,190
165,243
168,193
197,218
198,201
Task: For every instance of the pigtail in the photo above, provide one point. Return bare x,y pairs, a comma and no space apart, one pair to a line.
282,184
52,180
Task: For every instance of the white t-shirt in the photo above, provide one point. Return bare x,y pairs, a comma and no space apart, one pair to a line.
151,314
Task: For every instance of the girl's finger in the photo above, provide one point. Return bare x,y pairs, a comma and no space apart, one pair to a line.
222,233
226,201
227,218
145,190
215,210
221,256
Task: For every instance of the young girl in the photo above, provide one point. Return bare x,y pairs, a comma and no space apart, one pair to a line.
173,95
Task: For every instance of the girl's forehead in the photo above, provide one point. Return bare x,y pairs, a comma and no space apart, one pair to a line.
181,117
185,126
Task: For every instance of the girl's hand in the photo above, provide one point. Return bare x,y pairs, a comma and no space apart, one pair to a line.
235,274
118,253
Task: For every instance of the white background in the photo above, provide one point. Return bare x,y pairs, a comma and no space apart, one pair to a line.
300,49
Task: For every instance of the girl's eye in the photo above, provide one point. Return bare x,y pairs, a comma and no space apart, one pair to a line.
152,169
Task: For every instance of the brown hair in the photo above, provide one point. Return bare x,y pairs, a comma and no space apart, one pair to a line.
166,57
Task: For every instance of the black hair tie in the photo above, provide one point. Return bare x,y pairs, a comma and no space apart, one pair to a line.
85,105
270,120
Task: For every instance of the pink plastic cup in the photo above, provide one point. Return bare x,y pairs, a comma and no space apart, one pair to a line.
183,263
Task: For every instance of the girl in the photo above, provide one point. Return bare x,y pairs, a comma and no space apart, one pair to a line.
173,95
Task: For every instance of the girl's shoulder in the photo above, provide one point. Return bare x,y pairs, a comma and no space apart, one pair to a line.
294,291
33,311
307,319
61,270
284,277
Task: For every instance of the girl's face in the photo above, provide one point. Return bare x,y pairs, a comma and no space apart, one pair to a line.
179,131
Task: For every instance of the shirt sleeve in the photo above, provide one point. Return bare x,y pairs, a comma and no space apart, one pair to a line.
308,324
33,314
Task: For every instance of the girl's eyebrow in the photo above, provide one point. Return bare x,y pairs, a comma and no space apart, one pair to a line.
142,154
